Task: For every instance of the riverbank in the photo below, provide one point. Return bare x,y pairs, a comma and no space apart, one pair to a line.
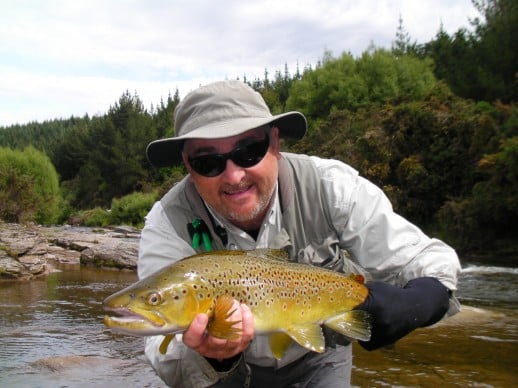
30,251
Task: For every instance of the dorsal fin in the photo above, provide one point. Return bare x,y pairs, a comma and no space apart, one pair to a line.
269,253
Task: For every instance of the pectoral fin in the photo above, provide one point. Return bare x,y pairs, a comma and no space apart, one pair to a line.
165,343
353,324
309,336
219,325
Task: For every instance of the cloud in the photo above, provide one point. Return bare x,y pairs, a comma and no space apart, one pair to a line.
62,58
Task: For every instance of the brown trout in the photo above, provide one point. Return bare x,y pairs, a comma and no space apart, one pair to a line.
289,301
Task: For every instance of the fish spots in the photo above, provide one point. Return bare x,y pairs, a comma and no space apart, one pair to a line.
269,302
202,291
282,288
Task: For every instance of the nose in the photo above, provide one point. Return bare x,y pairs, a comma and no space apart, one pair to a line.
233,173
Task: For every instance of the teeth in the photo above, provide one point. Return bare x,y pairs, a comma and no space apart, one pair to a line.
237,191
127,319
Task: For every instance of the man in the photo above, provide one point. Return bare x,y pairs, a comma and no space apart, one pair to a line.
243,193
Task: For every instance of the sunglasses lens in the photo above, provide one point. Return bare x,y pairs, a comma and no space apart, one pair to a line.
208,165
250,154
246,156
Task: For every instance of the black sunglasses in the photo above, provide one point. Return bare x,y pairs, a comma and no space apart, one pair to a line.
244,156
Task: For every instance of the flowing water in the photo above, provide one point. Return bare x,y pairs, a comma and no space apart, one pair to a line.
52,335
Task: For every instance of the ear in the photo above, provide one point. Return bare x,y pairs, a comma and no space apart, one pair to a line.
274,141
186,162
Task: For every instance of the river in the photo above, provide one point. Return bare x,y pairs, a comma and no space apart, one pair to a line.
51,334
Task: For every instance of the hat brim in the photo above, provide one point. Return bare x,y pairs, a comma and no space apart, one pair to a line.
167,152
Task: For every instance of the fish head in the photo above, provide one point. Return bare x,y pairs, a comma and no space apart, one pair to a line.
151,307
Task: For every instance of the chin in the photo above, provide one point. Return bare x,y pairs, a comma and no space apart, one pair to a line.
242,216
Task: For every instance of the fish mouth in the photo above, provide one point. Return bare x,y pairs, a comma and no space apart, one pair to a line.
134,322
125,315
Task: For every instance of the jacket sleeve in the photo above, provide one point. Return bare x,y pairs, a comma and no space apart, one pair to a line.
159,246
181,367
397,311
386,245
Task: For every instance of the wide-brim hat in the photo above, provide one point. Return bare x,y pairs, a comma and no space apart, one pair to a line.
219,110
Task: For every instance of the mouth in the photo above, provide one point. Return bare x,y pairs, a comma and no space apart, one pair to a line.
124,315
131,322
238,191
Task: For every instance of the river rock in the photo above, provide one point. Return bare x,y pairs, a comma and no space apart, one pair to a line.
61,363
27,251
120,255
11,268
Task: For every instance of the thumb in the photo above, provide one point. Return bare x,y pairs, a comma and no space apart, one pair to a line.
194,335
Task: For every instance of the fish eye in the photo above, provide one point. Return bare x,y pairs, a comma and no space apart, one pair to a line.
154,299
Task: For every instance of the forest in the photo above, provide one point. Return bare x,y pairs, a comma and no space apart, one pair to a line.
434,124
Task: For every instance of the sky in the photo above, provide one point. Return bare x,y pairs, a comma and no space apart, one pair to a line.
62,58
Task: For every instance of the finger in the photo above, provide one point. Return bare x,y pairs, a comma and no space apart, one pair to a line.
247,324
194,336
220,348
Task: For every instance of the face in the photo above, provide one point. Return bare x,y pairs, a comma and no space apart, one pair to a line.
240,194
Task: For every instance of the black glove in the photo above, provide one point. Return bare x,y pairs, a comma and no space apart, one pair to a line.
395,311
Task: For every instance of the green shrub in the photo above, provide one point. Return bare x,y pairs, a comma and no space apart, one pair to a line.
29,187
94,217
377,77
131,209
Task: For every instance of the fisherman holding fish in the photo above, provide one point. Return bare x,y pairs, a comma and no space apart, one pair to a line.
243,193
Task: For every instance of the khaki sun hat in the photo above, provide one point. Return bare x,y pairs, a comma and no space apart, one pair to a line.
218,110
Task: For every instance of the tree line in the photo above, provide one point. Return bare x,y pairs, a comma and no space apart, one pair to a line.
434,124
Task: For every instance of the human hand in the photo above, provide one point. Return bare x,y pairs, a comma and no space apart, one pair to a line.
197,338
397,311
